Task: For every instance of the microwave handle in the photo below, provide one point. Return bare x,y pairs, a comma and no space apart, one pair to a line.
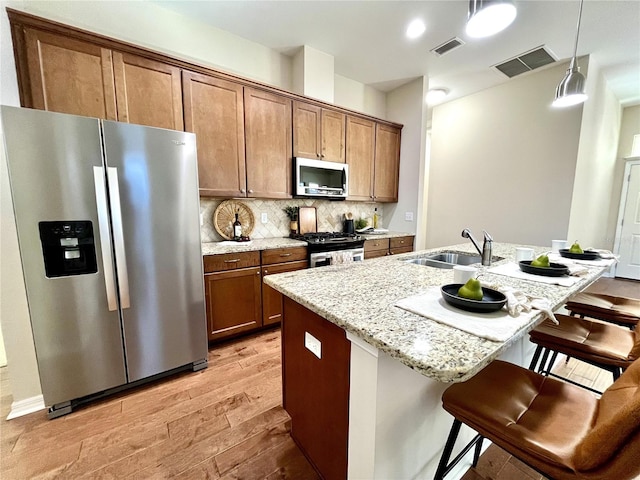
344,177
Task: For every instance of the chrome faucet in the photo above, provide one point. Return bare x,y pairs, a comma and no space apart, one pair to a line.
485,253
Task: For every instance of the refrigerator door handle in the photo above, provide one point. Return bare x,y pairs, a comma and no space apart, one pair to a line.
105,237
118,236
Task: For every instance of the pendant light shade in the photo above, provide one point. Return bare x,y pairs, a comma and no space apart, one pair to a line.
488,17
571,90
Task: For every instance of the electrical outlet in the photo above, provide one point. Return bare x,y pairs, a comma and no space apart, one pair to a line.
408,216
313,344
263,217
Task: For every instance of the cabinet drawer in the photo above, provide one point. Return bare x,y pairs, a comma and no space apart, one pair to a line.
396,251
381,244
401,242
280,255
229,261
285,267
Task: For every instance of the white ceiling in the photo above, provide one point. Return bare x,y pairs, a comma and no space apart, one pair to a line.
367,40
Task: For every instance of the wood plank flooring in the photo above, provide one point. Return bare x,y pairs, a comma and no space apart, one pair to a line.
224,422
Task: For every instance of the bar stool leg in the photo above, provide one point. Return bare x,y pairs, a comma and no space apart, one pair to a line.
476,453
448,448
535,358
552,361
543,362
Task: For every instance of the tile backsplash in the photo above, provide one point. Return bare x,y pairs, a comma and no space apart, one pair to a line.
330,215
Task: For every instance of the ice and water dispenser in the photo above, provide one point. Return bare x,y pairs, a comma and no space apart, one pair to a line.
68,248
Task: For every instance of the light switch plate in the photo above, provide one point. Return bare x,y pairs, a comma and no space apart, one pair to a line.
313,344
263,217
408,216
201,219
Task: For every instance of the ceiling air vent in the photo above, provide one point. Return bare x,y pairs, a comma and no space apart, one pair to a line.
525,62
447,46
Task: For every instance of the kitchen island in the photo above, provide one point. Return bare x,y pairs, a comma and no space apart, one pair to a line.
363,378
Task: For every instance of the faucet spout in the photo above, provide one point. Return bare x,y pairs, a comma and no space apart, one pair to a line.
466,233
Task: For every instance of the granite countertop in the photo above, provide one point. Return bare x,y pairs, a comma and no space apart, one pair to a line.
369,236
215,248
360,297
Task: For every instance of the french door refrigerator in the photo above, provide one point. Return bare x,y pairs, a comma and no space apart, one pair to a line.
108,224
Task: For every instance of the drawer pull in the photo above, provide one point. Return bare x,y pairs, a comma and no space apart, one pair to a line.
235,260
258,272
285,254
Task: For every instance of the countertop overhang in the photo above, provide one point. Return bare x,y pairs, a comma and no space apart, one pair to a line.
360,297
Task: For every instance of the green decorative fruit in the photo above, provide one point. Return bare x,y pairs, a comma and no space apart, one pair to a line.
576,248
471,290
541,261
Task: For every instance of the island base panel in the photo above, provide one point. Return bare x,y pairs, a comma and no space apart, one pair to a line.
316,390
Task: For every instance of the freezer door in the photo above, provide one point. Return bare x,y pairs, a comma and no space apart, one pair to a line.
156,223
53,159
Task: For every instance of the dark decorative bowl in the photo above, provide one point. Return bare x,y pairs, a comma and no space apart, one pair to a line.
587,255
553,270
492,300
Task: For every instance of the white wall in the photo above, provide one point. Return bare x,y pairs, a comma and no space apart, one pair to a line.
406,105
359,97
504,160
629,127
592,220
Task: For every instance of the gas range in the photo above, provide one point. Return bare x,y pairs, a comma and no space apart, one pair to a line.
330,241
322,245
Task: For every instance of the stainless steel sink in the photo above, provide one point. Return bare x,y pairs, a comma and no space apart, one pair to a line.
447,259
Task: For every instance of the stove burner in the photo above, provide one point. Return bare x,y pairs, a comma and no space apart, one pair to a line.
323,237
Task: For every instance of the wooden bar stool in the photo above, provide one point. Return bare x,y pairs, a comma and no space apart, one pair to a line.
558,429
604,345
619,310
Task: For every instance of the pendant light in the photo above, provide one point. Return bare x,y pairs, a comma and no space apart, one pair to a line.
570,91
488,17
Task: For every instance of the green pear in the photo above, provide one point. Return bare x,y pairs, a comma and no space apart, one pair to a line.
576,248
471,290
541,261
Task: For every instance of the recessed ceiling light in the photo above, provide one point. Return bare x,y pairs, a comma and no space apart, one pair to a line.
416,28
436,95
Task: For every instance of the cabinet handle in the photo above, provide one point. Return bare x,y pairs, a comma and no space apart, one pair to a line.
250,191
258,272
371,196
242,190
235,260
401,241
285,254
266,272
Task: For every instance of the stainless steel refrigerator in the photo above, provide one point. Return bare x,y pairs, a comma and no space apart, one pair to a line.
108,225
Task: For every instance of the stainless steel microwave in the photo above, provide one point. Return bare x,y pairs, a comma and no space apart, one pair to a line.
319,178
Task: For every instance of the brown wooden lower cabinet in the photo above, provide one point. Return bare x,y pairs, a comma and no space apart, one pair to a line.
272,299
316,390
233,296
401,245
379,247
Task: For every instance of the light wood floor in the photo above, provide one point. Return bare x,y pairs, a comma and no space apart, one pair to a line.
224,422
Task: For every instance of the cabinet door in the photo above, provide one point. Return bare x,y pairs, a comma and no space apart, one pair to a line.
233,301
69,76
148,92
271,298
214,111
361,142
333,136
268,144
387,163
306,130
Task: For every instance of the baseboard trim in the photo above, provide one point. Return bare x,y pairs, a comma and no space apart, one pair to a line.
26,406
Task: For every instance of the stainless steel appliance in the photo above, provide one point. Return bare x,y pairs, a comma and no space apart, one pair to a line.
107,215
323,247
320,179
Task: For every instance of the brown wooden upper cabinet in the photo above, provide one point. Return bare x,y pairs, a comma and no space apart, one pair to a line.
318,133
387,163
214,111
148,92
71,76
68,76
267,120
373,156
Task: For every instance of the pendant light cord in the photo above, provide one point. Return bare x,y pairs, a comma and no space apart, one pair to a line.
575,47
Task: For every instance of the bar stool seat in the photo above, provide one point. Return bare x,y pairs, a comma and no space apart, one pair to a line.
562,431
591,341
619,310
